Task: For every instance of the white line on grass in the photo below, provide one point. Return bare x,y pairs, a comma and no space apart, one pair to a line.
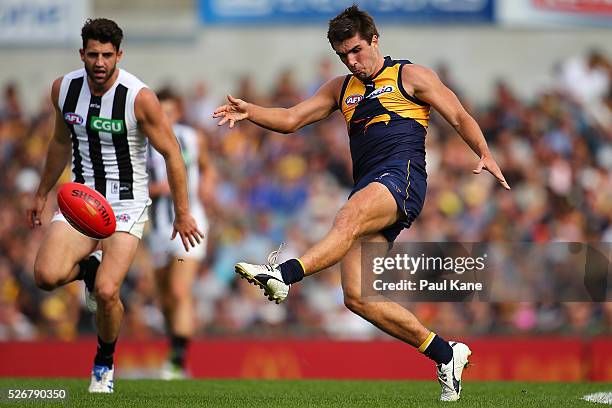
600,397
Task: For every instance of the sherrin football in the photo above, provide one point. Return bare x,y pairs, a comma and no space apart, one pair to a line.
86,210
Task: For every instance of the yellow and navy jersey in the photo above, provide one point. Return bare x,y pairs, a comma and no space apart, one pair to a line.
385,124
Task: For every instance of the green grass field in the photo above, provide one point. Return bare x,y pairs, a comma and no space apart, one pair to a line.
273,394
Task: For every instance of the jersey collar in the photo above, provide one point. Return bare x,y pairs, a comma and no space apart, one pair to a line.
386,63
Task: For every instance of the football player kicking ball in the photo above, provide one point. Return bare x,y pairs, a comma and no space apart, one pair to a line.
175,268
386,105
104,115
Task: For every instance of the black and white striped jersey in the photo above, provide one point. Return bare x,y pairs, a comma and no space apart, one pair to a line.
162,209
108,149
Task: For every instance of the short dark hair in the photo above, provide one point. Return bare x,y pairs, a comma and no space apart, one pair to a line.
350,22
167,94
103,30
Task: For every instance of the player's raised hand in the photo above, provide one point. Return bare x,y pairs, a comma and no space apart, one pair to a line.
488,163
187,228
35,210
233,111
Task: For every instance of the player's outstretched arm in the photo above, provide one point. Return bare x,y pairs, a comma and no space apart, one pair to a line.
58,155
425,85
154,123
283,120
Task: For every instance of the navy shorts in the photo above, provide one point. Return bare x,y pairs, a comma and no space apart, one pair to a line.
407,182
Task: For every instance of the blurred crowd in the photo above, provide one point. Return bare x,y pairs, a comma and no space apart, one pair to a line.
267,188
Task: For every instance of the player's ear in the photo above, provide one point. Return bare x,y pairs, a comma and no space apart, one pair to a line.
119,55
374,41
82,53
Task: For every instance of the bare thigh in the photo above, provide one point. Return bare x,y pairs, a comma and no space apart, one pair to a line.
370,209
61,249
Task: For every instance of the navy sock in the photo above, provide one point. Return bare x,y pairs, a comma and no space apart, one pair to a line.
178,346
439,350
104,355
292,271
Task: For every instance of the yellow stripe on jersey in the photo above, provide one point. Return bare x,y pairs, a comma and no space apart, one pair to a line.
380,118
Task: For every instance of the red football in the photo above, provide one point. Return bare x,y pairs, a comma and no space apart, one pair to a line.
86,210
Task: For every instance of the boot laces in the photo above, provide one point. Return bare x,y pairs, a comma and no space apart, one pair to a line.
273,257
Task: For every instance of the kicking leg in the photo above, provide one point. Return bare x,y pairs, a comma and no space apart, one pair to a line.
371,209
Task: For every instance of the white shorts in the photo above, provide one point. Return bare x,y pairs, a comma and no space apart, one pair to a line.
131,217
163,249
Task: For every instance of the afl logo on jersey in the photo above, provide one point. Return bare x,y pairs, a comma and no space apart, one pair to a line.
353,99
73,119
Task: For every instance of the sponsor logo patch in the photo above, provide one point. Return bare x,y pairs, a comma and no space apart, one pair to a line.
125,187
93,205
73,118
107,125
382,90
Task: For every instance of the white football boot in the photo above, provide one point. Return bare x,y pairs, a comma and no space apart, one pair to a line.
449,375
268,277
101,380
171,371
90,296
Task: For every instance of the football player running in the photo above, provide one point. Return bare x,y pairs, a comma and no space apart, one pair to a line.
104,117
175,268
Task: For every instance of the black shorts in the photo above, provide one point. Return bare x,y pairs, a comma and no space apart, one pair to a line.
407,182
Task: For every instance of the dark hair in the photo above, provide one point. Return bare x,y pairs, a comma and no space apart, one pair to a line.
103,30
350,22
166,94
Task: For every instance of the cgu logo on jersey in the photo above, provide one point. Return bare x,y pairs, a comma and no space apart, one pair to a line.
73,119
106,125
382,90
353,99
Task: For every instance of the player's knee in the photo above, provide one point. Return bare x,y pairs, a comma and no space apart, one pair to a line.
347,222
44,283
353,302
179,293
43,277
107,293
